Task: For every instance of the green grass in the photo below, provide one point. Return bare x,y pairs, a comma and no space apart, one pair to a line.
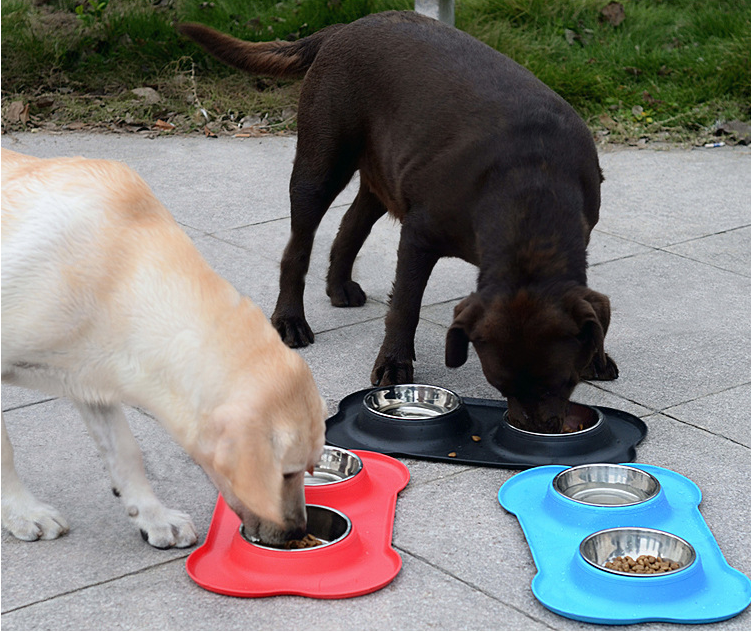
684,62
672,69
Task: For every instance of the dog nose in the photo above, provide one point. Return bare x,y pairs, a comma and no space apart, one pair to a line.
555,425
297,533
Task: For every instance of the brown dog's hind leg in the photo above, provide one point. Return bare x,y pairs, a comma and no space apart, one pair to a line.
394,364
353,231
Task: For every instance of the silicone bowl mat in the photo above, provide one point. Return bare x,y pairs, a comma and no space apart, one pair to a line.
708,590
362,562
435,439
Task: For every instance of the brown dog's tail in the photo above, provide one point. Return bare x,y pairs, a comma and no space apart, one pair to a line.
275,59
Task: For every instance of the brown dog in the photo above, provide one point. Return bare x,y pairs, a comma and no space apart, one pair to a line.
479,160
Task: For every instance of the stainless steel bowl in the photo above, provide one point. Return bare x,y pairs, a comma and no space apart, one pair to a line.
334,466
604,546
412,401
580,414
324,523
606,484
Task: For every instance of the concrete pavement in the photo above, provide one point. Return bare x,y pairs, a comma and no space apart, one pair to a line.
672,251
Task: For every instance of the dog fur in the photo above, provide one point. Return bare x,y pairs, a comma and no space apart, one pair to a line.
479,160
105,300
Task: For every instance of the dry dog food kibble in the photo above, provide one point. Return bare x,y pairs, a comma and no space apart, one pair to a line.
307,542
566,429
643,565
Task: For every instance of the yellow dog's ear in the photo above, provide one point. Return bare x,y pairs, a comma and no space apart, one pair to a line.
244,456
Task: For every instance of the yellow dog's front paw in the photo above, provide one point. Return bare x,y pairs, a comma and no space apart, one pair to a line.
33,520
164,528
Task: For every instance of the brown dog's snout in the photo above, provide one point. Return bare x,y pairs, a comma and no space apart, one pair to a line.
546,417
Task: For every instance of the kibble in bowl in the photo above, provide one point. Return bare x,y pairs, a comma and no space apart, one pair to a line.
643,565
325,526
580,419
637,551
308,541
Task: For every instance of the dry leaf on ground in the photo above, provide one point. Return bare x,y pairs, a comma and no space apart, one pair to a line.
613,13
17,112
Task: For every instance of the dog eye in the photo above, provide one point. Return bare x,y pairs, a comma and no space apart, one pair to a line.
291,475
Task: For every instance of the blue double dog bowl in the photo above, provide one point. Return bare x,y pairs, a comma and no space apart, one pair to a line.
576,519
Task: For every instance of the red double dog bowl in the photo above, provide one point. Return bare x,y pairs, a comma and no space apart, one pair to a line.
359,563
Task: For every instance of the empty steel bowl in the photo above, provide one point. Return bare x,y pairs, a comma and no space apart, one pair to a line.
606,484
604,546
580,420
324,523
334,466
411,401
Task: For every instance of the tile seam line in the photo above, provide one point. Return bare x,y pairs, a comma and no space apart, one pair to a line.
699,397
602,231
598,384
345,326
104,582
464,470
663,250
701,237
712,434
30,404
472,586
213,233
662,411
706,263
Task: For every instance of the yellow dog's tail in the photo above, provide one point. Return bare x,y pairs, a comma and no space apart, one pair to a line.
275,59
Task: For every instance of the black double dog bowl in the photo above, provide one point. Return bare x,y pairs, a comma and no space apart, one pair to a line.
429,422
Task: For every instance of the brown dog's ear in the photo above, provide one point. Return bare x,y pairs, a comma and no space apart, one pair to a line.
591,312
457,339
456,347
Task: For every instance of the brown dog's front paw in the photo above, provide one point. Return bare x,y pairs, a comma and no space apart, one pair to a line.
348,294
294,331
598,370
390,371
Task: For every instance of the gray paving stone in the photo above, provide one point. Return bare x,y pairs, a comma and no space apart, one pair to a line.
59,463
227,182
720,468
16,397
728,251
679,328
375,265
604,247
258,278
665,198
726,413
671,251
217,191
360,344
164,598
488,548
